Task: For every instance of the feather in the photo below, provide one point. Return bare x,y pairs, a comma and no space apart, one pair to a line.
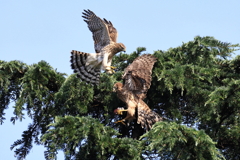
90,75
137,76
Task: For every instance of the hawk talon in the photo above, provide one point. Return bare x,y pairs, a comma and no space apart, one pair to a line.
111,69
120,121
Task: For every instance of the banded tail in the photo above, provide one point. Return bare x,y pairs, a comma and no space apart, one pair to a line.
84,72
147,117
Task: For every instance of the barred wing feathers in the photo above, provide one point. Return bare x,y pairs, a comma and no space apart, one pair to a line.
102,30
137,76
111,30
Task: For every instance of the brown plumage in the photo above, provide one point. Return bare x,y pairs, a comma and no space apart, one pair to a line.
89,65
137,80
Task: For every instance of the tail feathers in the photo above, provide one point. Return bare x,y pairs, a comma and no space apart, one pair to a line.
147,117
84,72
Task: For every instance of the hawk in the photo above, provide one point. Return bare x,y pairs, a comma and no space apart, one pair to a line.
136,82
89,65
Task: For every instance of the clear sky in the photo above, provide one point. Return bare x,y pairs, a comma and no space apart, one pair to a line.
32,31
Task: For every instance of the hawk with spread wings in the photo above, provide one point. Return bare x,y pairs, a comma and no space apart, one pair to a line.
136,82
88,65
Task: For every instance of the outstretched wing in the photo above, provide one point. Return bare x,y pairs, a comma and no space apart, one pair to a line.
99,29
137,76
111,30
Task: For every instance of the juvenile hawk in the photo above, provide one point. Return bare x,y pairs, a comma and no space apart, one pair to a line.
136,81
89,65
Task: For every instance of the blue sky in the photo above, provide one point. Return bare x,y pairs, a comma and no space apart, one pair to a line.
32,31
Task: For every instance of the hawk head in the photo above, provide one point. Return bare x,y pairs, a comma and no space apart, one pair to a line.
117,86
123,47
120,47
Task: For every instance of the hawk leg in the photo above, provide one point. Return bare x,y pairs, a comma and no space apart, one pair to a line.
119,111
121,121
110,69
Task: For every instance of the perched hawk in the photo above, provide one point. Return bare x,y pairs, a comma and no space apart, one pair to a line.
136,81
89,65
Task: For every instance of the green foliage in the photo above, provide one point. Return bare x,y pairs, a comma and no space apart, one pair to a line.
172,140
73,97
89,140
32,88
10,75
38,86
195,88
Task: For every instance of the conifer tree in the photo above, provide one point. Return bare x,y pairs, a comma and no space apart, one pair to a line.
195,88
